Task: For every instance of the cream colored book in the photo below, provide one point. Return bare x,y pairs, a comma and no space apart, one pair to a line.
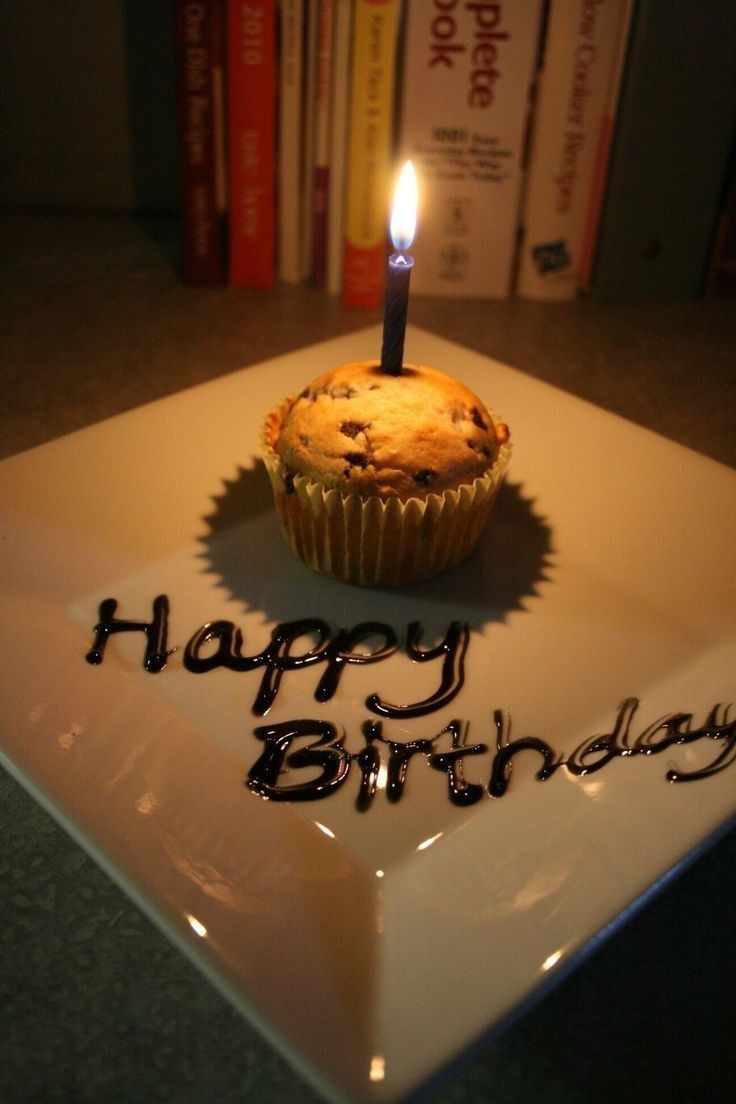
340,98
581,64
311,12
467,72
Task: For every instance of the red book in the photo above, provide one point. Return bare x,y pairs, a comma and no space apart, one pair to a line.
199,57
251,57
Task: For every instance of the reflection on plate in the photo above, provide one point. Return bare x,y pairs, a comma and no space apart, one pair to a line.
373,939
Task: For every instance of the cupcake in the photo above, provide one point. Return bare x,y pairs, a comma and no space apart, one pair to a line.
383,480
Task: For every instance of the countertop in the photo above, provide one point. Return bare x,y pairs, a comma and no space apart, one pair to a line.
94,1004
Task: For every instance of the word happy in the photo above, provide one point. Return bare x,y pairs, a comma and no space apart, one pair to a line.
324,760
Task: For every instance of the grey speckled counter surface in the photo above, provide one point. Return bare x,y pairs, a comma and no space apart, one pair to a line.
95,1006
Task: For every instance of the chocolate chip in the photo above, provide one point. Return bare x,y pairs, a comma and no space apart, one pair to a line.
289,481
352,429
476,418
356,459
425,477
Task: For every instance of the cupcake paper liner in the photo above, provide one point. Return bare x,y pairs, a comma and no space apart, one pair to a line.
372,541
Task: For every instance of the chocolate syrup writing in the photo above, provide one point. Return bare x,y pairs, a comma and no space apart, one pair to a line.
325,758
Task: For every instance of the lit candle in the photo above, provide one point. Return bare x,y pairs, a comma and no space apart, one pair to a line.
400,264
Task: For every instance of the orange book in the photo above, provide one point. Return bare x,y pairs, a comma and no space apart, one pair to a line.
251,55
375,32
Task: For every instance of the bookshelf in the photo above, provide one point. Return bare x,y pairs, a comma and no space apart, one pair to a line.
99,132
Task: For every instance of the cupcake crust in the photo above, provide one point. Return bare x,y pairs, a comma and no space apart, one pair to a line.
361,431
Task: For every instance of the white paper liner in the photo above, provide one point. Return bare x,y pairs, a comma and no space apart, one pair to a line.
371,541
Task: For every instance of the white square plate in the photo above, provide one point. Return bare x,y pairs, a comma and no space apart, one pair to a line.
372,947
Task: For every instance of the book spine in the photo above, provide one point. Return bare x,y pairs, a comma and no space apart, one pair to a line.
289,184
198,44
221,165
603,149
321,194
468,70
310,82
374,41
340,99
581,49
670,152
721,276
251,56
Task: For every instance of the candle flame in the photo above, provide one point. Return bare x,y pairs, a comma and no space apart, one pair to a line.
404,213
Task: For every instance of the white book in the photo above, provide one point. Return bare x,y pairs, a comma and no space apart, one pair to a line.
290,165
580,72
308,135
465,96
340,101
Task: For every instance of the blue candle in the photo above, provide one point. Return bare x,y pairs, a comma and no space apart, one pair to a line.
400,264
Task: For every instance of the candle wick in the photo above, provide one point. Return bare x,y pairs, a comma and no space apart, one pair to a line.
401,259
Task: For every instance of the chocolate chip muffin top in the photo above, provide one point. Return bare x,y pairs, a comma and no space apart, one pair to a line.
362,431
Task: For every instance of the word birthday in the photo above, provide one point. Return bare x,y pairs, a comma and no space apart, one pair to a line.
326,761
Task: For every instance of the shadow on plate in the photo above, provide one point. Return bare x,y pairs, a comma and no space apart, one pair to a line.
244,548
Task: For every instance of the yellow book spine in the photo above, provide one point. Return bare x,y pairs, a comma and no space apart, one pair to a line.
375,32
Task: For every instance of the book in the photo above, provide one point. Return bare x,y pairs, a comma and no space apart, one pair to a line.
290,136
581,62
465,100
340,100
367,201
721,278
199,46
321,170
308,120
251,103
670,152
603,152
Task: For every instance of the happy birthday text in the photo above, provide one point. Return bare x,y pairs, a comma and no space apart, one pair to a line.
382,762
